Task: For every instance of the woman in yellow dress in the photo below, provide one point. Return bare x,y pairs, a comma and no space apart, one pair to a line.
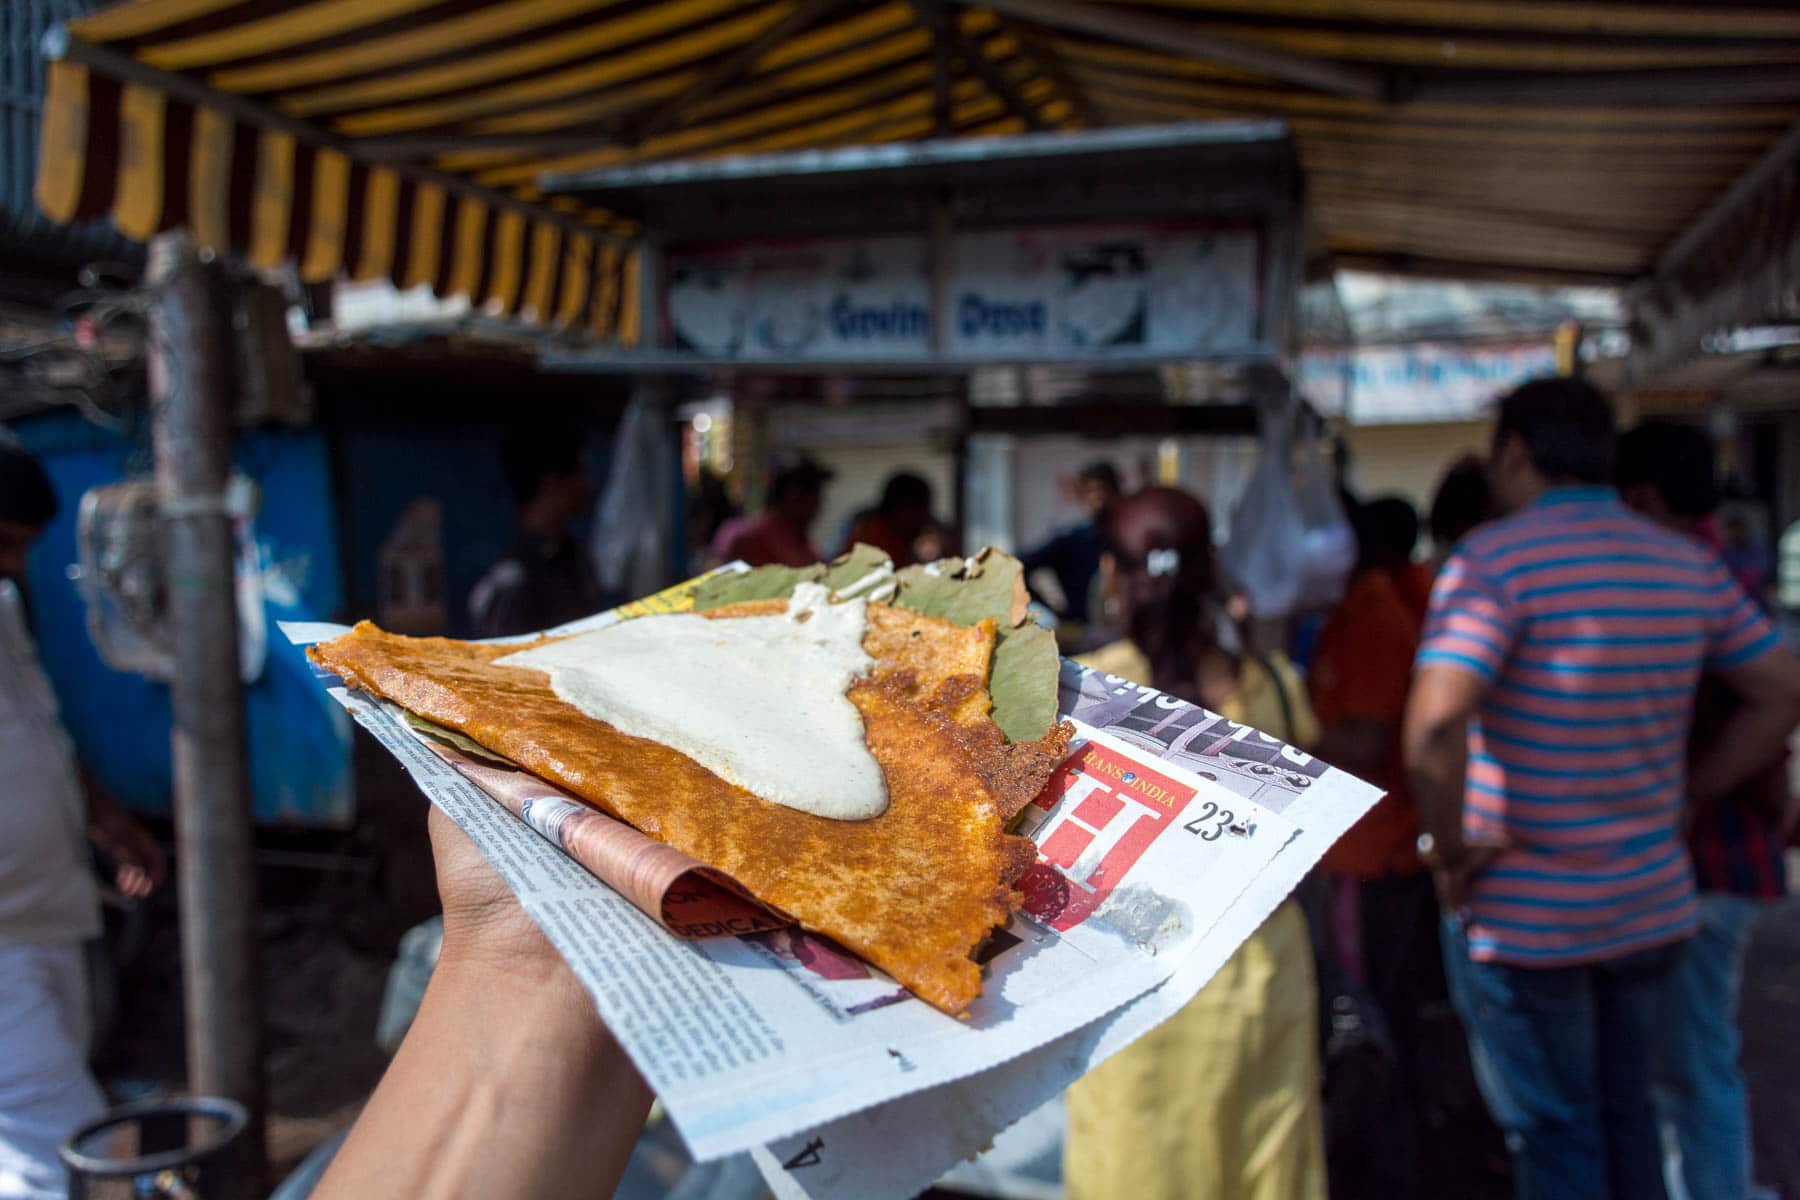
1222,1100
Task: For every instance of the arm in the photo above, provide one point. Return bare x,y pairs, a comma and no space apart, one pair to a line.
1769,686
137,860
1434,742
1469,632
507,1084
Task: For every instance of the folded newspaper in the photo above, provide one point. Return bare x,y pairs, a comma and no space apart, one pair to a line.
1165,837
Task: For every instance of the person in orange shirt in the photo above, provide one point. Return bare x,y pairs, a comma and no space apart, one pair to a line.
1359,679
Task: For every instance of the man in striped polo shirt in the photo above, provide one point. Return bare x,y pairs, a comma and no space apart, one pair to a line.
1546,744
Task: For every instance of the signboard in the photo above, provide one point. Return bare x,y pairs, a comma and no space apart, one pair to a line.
1126,291
1427,381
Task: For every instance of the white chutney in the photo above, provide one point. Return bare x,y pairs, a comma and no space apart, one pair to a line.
758,701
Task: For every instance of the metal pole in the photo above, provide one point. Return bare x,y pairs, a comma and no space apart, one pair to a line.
192,381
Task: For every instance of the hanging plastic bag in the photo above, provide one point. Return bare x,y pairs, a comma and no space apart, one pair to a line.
1328,547
633,529
1291,546
1268,534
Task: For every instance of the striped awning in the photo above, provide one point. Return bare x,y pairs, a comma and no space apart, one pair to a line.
404,138
412,138
154,151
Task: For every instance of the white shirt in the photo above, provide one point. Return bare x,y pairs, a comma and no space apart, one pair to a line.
47,889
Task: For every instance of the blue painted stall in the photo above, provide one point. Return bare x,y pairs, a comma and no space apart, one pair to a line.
299,739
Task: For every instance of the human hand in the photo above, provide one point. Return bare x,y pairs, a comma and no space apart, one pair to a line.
484,924
507,1083
139,865
1454,866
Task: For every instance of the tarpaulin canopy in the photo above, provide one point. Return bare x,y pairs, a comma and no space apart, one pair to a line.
1571,138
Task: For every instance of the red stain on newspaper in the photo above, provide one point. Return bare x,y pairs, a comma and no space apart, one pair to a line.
1096,817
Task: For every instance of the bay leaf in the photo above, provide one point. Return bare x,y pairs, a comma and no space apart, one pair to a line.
778,583
455,740
758,583
965,591
1023,679
1023,682
857,566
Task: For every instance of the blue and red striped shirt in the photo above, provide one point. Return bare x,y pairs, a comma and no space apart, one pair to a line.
1590,626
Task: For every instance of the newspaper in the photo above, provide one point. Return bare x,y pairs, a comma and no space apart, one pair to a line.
684,896
1165,838
853,1157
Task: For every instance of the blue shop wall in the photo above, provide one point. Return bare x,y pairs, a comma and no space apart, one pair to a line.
299,738
386,470
453,460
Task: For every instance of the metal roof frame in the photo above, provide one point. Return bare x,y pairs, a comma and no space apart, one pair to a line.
938,160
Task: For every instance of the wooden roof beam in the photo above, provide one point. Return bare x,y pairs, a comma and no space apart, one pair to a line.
1773,162
734,67
1157,33
943,69
1401,263
1670,316
949,35
1047,62
421,147
1669,88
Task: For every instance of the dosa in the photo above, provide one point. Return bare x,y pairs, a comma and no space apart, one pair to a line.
913,890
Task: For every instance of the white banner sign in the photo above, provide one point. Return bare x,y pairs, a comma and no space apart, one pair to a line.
1427,381
1087,293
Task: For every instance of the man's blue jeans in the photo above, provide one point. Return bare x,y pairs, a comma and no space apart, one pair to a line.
1562,1055
1699,1088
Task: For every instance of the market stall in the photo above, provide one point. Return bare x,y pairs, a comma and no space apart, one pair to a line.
541,160
1020,292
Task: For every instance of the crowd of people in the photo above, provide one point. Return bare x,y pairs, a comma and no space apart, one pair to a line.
1576,703
1579,712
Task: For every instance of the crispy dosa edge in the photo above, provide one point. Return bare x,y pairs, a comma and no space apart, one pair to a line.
913,891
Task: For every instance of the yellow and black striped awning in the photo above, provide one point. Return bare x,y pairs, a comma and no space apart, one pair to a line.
403,138
124,138
409,138
273,197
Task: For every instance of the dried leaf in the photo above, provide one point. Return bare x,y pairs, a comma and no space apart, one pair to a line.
758,583
1023,682
770,583
455,740
864,565
965,591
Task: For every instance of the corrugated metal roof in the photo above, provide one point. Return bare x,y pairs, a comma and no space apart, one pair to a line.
1572,138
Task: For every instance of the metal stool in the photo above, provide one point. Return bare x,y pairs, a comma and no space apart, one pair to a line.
188,1148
